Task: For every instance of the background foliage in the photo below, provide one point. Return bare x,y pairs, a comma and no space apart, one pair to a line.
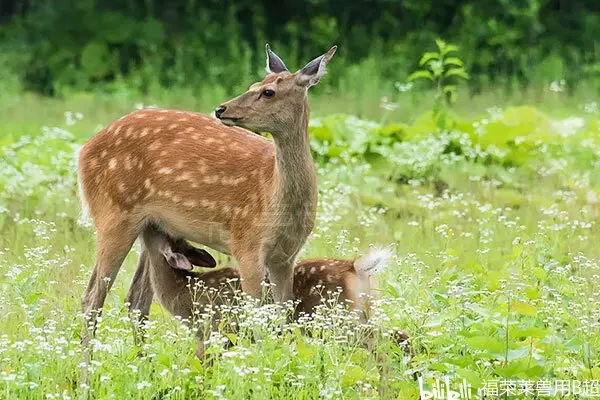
60,45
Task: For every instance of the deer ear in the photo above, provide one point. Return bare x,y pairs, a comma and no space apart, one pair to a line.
314,70
274,63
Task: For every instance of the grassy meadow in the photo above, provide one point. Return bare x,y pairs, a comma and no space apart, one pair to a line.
496,272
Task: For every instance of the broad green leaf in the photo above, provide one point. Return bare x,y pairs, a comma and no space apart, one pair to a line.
471,376
305,351
493,280
457,72
485,343
195,364
440,44
539,273
450,48
232,337
524,308
421,74
453,61
518,353
534,332
352,375
532,293
427,57
164,359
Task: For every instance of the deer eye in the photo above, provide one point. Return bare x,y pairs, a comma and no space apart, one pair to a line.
268,93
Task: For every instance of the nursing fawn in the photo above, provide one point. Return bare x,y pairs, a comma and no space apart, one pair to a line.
312,280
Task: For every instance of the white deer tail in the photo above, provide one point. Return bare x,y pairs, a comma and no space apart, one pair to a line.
376,260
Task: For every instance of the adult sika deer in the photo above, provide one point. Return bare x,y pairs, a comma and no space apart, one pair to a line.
209,181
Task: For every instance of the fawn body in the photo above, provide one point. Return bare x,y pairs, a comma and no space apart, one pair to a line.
312,279
209,181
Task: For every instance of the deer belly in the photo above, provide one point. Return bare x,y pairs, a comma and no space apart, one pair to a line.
190,226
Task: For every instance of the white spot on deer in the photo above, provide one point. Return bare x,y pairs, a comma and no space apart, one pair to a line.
176,198
182,119
329,278
128,165
103,154
183,177
118,129
322,268
112,164
163,153
180,164
190,203
147,183
160,118
151,191
172,126
156,130
208,203
165,171
313,270
189,129
129,131
210,179
140,115
154,146
237,210
144,132
121,187
118,141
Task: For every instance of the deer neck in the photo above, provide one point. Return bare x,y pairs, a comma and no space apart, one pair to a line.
295,192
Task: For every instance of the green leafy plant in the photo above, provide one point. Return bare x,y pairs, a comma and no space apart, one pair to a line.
442,69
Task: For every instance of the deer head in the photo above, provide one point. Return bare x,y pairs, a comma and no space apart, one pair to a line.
276,103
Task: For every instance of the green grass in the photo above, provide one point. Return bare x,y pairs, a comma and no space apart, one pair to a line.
495,276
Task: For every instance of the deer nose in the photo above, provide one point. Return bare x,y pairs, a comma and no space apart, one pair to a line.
219,111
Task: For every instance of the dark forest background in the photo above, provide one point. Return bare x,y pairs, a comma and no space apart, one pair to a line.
50,46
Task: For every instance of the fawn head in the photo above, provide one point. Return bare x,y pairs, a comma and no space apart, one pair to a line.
274,104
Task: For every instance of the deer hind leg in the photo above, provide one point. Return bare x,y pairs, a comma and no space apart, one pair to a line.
114,240
139,296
